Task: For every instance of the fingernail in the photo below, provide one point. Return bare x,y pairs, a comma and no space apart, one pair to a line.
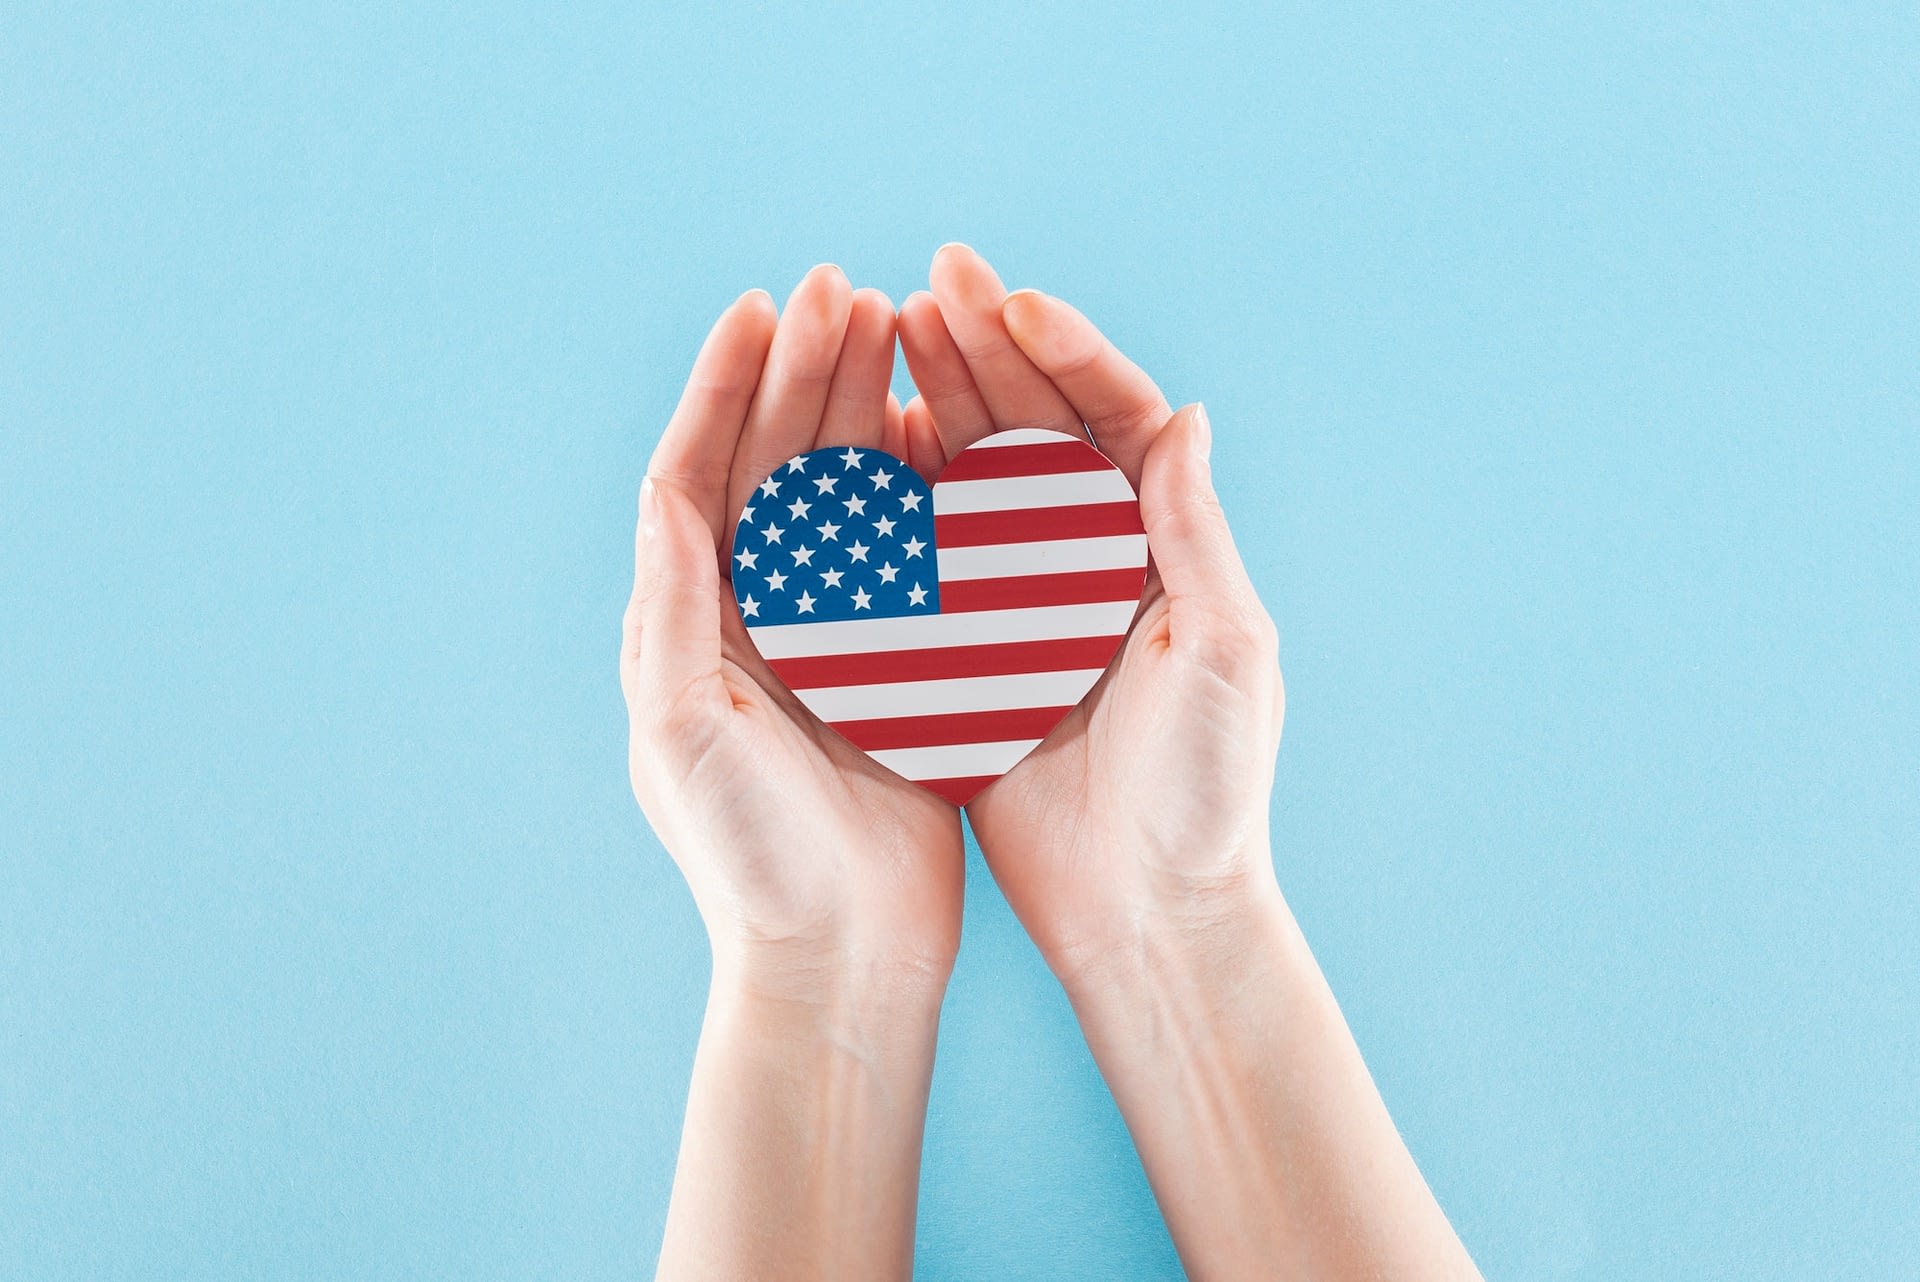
649,508
756,290
1202,431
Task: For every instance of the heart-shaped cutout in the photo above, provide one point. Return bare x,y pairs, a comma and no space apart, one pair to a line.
944,630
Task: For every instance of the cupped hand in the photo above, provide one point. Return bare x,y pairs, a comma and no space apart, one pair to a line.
1145,810
804,856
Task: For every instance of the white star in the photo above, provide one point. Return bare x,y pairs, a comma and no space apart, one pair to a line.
881,480
805,603
833,577
884,527
803,556
910,502
861,599
913,548
798,508
747,559
887,572
798,463
828,531
750,607
769,487
916,595
851,458
746,514
856,506
858,551
773,533
825,483
777,581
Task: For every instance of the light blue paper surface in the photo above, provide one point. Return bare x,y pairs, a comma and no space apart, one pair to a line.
1562,368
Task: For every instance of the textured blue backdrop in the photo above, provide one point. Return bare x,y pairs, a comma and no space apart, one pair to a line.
1562,365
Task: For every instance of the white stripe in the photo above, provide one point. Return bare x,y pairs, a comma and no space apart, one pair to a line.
955,761
1004,493
1055,556
1025,436
927,631
951,694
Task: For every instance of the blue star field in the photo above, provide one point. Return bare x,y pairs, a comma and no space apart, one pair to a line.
835,534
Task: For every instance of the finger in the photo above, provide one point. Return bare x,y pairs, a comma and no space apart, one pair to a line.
893,436
1120,405
924,452
1016,392
695,452
955,408
856,410
793,391
671,651
1213,609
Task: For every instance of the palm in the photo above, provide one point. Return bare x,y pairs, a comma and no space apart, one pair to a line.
1148,769
846,837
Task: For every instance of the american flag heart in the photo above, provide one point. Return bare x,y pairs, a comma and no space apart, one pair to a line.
943,630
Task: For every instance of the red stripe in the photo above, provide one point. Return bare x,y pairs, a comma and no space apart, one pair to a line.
958,791
877,734
1026,460
1077,588
1031,524
884,666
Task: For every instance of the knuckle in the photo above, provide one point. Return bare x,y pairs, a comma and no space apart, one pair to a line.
678,728
1136,418
630,634
1085,357
1234,642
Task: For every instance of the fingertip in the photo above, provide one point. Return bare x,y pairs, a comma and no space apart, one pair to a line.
873,305
964,274
825,288
1036,319
649,507
919,318
754,300
1177,457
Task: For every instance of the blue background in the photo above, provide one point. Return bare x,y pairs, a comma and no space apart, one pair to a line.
1562,364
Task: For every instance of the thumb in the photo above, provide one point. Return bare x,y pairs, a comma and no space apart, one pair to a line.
1214,613
671,636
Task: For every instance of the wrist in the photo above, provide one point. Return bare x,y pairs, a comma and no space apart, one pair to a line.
870,1028
828,977
1183,951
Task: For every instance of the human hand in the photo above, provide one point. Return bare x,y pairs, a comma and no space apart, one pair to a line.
811,865
1141,820
1133,845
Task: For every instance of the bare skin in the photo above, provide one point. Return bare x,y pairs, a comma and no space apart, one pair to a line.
1133,844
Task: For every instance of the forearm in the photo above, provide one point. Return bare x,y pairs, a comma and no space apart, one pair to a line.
800,1154
1261,1131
